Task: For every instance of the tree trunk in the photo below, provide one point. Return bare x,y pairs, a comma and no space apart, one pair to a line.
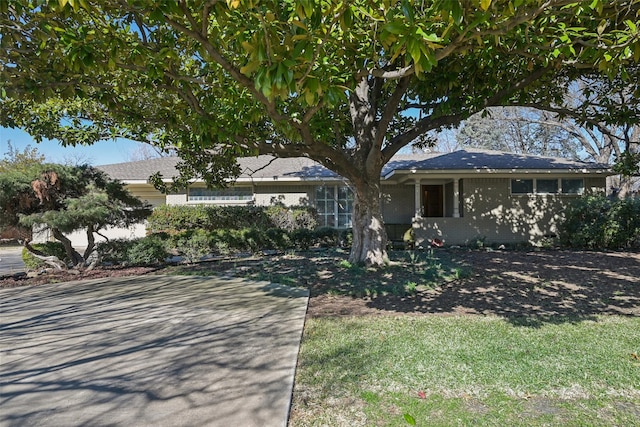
369,235
91,243
50,260
73,255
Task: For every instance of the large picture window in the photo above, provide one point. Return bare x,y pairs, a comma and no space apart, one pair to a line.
220,195
334,205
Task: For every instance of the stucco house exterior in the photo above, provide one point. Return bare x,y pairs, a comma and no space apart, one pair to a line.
456,197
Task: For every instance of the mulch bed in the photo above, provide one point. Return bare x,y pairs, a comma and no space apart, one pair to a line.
529,286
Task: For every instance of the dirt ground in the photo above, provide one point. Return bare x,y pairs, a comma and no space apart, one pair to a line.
530,286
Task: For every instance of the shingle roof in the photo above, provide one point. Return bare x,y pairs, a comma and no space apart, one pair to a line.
141,170
301,168
476,159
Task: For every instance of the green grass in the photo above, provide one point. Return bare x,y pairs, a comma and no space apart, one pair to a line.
459,371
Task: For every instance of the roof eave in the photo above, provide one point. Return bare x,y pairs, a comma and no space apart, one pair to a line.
474,171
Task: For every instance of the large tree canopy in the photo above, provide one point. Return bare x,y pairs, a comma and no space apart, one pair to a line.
347,84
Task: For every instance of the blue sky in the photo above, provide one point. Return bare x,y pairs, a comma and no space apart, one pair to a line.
101,153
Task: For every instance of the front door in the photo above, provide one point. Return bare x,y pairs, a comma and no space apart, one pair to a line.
432,197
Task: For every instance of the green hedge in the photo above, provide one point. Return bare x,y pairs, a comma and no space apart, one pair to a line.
177,218
148,250
598,222
49,249
192,245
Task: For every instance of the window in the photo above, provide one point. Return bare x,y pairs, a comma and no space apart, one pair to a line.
521,186
335,206
572,186
549,186
220,195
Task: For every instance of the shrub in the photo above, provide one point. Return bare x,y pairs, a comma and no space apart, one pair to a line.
623,226
147,251
192,245
177,218
220,242
304,217
144,251
291,218
114,251
597,222
48,249
253,239
277,238
174,218
327,236
346,238
302,238
236,217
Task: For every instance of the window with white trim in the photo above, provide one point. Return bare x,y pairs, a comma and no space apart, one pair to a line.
564,186
334,205
220,195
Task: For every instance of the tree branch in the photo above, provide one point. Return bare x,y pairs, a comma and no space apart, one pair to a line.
234,72
390,110
422,126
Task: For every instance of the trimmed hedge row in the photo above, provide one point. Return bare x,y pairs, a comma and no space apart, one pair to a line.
598,222
177,218
192,245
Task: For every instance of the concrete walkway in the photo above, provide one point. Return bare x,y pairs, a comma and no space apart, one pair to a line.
149,351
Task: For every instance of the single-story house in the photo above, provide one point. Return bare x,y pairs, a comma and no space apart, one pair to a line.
456,197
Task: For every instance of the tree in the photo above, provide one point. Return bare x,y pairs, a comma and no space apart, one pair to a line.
65,199
518,130
24,160
347,84
578,126
146,152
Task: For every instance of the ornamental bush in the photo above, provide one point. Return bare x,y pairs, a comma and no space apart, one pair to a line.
597,222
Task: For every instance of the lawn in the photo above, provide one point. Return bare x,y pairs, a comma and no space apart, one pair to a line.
468,370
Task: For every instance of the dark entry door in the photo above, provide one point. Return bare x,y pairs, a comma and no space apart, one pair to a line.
432,199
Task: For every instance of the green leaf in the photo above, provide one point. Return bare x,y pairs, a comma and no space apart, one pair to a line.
409,419
485,4
309,97
427,37
395,27
413,48
250,67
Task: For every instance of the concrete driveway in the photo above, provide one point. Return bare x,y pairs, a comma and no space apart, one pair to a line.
11,260
149,351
